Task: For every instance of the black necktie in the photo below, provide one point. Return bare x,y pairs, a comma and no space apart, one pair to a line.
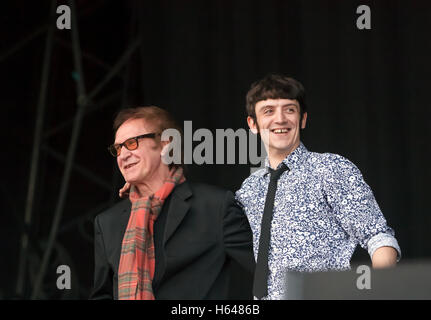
260,285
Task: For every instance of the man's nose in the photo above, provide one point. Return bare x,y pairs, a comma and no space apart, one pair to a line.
124,153
280,116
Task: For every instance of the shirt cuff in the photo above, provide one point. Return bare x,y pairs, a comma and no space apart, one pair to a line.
383,240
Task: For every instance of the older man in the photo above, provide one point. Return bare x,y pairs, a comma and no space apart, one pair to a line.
171,239
308,211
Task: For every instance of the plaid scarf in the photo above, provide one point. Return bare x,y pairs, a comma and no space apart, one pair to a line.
137,260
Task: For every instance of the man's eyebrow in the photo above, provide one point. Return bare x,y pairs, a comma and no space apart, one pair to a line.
266,106
290,104
121,142
284,105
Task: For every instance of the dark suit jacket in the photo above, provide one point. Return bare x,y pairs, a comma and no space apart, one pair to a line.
203,232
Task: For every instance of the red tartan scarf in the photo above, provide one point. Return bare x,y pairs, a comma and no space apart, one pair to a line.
137,260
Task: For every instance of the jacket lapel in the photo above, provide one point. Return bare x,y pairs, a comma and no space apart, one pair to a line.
178,208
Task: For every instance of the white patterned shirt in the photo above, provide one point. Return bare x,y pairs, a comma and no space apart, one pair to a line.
323,208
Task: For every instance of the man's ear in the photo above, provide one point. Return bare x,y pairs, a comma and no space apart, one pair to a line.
304,120
165,147
252,125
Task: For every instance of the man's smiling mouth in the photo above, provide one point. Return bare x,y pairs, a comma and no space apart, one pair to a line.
281,130
129,165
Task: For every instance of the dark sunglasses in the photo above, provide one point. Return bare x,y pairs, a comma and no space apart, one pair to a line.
130,144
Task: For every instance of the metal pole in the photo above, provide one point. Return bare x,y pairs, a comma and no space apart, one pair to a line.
21,44
90,108
124,58
80,169
35,153
70,154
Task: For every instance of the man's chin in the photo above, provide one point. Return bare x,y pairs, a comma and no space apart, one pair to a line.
130,179
281,148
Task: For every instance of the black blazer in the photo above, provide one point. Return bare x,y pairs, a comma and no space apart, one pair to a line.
204,231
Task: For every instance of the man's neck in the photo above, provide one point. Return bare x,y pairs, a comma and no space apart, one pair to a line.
275,157
275,160
153,183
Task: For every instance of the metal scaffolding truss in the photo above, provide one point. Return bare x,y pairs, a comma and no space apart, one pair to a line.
86,102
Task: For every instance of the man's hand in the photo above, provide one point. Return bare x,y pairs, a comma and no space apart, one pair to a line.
384,257
124,191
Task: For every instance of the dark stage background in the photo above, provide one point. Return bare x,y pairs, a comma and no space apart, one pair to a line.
368,96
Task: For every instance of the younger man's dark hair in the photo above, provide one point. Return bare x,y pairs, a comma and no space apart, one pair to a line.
275,86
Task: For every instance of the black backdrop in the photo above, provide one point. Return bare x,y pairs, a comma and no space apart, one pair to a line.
367,92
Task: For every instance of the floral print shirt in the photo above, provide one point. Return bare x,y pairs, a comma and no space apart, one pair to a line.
323,209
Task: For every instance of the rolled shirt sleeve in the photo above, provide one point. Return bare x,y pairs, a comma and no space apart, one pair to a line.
383,240
355,206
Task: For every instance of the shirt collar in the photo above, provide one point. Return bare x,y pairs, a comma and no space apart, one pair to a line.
292,161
